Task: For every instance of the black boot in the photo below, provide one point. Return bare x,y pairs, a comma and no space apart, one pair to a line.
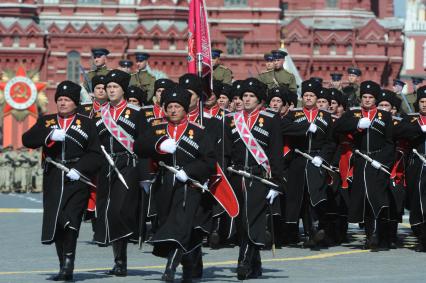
256,265
393,234
371,240
187,267
197,257
245,259
60,252
69,247
383,233
421,246
214,238
173,261
119,249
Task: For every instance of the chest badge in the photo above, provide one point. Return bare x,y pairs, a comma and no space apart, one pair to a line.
50,122
78,122
380,116
127,114
191,134
261,120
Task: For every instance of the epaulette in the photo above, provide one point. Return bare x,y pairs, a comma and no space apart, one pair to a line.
266,113
412,114
355,108
267,71
326,111
86,103
134,107
196,124
207,115
297,109
157,121
396,118
145,107
224,67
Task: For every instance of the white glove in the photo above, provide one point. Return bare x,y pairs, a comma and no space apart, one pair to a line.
58,135
364,123
272,194
317,161
423,128
73,175
145,185
181,176
312,128
376,164
169,146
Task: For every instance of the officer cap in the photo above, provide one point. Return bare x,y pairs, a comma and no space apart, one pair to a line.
141,56
279,54
216,53
416,81
98,52
268,57
335,77
125,63
399,83
354,71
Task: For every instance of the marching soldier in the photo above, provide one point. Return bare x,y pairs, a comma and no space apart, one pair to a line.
309,130
125,66
324,99
220,72
236,102
72,154
254,145
278,101
155,111
413,128
100,98
186,147
118,125
224,99
386,101
278,76
143,78
352,90
371,129
99,60
136,96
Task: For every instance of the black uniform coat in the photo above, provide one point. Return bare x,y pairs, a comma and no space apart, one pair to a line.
416,170
179,205
377,142
64,201
301,171
251,193
117,207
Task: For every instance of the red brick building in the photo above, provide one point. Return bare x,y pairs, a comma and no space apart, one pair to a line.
55,36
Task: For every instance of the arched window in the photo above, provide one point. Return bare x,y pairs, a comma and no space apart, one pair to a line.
73,67
331,3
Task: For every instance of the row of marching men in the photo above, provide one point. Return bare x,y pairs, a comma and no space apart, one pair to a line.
303,163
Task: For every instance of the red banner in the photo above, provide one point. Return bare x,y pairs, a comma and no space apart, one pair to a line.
199,40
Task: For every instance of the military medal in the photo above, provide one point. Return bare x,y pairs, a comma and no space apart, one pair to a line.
261,122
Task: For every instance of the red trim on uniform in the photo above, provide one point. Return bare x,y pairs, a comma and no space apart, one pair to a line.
214,111
193,115
369,113
311,114
175,131
251,118
422,120
65,122
158,111
97,106
118,109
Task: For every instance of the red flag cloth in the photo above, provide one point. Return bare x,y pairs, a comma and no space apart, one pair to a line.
222,191
199,40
